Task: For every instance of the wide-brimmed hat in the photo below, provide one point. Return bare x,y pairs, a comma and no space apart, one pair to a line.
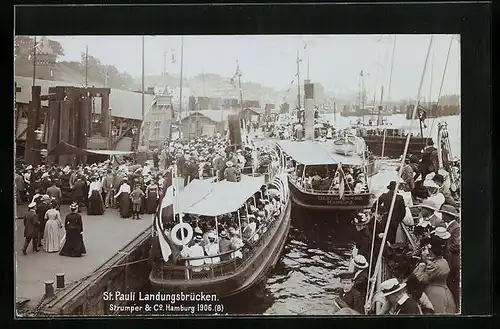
223,234
449,210
441,233
429,204
430,183
229,163
45,197
392,185
197,238
29,167
211,235
360,262
391,286
32,205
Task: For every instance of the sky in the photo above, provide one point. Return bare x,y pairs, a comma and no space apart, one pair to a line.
335,61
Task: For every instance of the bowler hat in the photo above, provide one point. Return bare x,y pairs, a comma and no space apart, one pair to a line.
449,210
392,185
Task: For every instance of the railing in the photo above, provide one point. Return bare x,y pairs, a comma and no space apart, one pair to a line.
301,187
210,270
250,171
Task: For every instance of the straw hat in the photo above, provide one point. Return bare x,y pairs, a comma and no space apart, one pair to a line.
223,234
229,163
360,262
32,205
442,233
391,286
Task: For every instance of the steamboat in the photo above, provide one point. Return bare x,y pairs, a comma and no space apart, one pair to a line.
306,159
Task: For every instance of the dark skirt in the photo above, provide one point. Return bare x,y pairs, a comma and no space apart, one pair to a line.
95,204
74,246
151,203
125,206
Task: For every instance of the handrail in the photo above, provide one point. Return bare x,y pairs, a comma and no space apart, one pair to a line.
310,190
212,266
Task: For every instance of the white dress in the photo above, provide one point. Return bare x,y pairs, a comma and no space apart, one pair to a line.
53,231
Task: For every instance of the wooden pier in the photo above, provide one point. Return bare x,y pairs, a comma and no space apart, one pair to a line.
111,242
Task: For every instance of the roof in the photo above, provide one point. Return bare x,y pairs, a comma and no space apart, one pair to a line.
63,148
214,115
316,153
201,197
256,110
124,104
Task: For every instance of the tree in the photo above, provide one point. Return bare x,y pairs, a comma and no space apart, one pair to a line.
23,46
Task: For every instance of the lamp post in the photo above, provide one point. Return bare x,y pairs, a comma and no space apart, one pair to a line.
110,129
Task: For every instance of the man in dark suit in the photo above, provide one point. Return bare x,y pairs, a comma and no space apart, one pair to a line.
360,274
55,192
451,218
400,301
30,228
384,205
79,192
349,294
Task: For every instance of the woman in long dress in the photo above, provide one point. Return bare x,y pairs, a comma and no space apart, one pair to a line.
52,233
124,194
74,246
432,273
151,198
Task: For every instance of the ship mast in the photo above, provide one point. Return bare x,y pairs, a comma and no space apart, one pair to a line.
298,80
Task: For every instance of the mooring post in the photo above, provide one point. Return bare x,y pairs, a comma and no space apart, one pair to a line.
49,288
60,280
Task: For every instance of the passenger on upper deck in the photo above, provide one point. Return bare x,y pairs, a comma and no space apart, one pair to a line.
246,230
212,249
230,173
224,245
195,250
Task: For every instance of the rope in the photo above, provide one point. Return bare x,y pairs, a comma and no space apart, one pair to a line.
442,82
393,201
371,252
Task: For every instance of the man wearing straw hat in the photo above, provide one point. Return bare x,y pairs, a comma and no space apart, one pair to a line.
451,218
399,301
31,223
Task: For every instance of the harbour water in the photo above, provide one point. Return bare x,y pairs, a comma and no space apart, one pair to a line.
303,283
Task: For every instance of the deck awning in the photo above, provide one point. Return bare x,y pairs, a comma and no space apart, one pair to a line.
311,153
203,198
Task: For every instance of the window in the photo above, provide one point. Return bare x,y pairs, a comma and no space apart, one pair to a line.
156,130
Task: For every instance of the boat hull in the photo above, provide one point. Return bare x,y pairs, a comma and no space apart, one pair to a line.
245,276
394,146
322,201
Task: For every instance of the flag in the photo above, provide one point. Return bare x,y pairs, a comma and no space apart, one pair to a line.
341,181
165,215
173,57
361,74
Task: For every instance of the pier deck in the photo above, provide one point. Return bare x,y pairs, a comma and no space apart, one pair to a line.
103,235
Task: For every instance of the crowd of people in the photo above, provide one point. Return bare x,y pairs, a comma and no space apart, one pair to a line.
132,188
220,239
422,252
326,178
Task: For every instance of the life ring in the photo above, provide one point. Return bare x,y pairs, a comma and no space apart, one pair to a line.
176,230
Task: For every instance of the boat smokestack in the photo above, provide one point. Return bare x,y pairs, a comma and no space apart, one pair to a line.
308,110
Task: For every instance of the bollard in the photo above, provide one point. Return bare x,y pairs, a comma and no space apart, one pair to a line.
49,288
60,280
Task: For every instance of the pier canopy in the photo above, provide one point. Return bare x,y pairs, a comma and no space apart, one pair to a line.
201,197
311,153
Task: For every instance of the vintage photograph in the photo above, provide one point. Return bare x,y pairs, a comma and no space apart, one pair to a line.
171,175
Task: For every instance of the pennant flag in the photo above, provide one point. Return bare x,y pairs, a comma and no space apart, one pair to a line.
173,56
165,215
361,74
